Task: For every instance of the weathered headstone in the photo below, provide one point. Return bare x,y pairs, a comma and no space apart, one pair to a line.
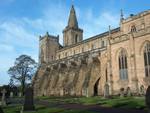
20,94
72,92
148,98
11,94
87,92
1,110
142,91
3,101
128,92
122,92
28,102
106,91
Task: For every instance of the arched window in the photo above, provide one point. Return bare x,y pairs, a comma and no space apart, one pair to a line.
82,49
42,55
102,44
133,28
123,69
59,56
76,39
66,54
74,52
147,59
92,46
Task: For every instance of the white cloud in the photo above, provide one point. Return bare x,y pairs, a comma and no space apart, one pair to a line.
15,33
15,38
20,35
6,48
96,24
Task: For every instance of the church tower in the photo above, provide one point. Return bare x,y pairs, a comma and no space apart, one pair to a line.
48,45
72,34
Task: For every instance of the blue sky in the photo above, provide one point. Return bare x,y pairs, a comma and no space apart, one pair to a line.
22,21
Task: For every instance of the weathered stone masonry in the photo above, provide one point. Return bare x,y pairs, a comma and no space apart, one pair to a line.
110,63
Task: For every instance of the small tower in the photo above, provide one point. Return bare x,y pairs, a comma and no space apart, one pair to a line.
72,34
121,20
48,45
121,15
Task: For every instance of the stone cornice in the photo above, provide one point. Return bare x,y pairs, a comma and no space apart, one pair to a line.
92,53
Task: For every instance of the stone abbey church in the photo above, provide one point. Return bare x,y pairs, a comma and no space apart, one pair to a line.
112,63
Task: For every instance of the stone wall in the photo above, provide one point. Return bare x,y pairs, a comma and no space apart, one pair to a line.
91,67
76,76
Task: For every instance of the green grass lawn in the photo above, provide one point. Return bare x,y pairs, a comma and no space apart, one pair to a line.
42,109
118,102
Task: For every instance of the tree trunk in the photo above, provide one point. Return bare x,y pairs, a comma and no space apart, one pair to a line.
23,86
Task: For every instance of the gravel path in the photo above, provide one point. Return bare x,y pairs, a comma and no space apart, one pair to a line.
94,108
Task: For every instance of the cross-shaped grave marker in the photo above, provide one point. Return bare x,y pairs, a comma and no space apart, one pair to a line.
3,97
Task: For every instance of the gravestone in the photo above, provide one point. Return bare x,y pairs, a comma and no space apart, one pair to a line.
122,92
106,91
87,92
20,94
62,92
28,102
11,94
142,91
3,101
128,92
1,110
148,98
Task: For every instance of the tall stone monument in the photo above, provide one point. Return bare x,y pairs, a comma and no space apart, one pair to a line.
28,102
1,110
3,102
148,98
11,94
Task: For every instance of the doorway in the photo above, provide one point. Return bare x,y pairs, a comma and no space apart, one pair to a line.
96,87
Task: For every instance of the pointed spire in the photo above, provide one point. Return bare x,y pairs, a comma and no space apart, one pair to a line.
109,38
109,30
72,23
47,34
121,15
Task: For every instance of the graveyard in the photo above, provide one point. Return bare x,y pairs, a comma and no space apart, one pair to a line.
80,104
28,103
126,103
74,56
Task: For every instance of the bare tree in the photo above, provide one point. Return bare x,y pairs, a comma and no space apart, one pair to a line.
23,70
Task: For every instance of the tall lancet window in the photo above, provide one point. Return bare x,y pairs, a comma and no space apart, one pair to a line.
147,59
123,68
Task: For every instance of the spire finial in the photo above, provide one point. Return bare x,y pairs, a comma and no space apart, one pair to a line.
109,30
47,34
121,15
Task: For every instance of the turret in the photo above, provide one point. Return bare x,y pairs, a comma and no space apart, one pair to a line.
48,45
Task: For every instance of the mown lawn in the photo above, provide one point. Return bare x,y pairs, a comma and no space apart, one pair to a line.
42,109
117,102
